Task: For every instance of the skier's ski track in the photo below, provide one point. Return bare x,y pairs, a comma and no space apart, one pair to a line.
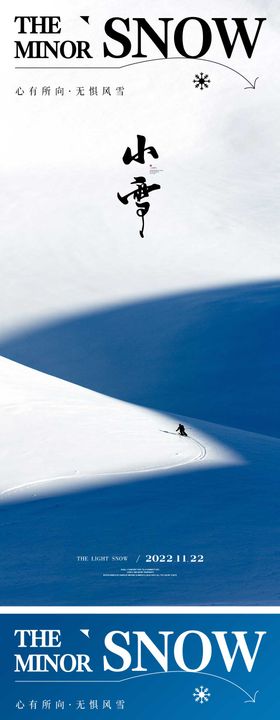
156,468
203,450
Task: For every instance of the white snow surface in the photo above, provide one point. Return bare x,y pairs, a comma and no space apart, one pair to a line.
68,245
58,436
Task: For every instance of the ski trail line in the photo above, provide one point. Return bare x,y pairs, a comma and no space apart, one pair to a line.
156,468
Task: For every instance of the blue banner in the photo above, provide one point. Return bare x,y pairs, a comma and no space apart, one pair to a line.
139,667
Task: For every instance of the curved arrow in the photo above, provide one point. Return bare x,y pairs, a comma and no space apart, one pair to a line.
252,699
250,86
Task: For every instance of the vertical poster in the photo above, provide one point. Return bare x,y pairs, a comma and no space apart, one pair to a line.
139,354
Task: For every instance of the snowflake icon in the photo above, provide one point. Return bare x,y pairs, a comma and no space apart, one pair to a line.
201,695
201,81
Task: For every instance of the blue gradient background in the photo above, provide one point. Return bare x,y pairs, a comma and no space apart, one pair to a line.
213,355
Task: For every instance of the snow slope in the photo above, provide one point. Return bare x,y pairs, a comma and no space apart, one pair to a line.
65,437
211,354
224,505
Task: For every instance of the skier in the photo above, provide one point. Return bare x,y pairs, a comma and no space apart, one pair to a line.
181,429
